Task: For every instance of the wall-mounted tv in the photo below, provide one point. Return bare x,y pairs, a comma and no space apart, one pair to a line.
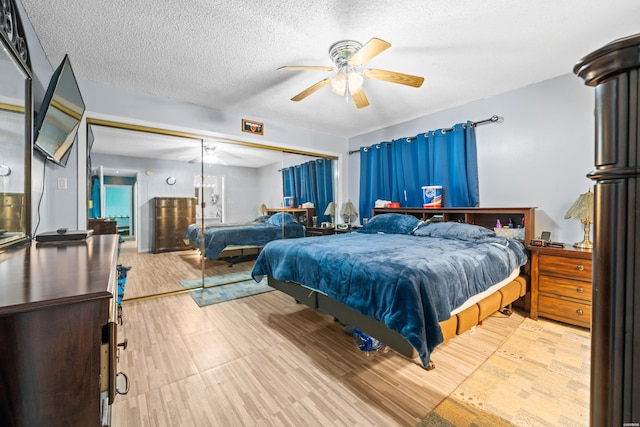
59,116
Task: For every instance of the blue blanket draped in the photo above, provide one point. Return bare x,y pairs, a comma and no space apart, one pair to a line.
409,283
218,237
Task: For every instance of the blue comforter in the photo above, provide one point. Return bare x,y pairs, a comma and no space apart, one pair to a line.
218,237
408,282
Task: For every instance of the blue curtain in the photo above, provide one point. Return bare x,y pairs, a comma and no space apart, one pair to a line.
397,170
310,182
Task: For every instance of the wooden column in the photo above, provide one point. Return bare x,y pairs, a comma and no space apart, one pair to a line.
615,333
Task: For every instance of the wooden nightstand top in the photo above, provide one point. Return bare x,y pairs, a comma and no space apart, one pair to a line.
568,250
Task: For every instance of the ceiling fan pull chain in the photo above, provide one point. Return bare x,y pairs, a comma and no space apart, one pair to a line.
346,86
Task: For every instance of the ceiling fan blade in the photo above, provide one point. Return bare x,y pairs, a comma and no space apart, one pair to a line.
394,77
305,68
371,49
308,91
360,99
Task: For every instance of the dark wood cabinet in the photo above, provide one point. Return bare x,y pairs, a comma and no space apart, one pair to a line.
614,71
172,216
57,363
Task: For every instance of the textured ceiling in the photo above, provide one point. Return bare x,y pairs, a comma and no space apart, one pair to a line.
224,54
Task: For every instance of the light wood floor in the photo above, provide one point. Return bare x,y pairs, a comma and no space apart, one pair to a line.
154,274
267,361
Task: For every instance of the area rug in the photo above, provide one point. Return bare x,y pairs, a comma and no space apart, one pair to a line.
538,377
217,294
219,279
452,412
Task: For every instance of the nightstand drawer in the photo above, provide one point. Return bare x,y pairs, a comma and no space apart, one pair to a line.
565,311
571,268
565,287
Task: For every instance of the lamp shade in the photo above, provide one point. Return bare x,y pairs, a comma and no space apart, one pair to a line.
349,210
582,209
262,210
331,209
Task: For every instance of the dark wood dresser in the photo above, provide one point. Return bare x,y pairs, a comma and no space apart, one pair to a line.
172,216
57,339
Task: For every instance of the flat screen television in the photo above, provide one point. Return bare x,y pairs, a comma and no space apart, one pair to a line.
59,116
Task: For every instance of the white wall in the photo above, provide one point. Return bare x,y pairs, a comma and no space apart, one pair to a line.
539,156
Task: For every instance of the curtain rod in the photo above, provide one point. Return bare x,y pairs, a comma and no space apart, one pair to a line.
492,119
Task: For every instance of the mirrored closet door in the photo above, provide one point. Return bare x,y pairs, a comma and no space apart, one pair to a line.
190,210
15,147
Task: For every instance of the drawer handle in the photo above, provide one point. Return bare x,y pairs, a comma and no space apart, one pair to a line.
579,312
579,289
121,378
580,267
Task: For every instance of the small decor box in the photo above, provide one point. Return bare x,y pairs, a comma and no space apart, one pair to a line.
510,233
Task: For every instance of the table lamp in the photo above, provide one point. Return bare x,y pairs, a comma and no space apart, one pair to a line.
331,211
262,210
348,211
582,209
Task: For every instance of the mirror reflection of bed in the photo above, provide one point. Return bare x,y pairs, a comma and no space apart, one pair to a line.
153,174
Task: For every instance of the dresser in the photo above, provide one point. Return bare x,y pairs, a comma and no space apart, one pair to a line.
172,216
57,329
561,284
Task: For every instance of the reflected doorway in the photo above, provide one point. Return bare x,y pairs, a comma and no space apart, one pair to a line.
118,206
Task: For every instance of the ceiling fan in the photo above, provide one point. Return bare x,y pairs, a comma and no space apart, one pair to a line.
348,56
210,156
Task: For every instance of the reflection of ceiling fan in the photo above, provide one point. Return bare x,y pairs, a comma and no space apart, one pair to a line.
348,56
209,156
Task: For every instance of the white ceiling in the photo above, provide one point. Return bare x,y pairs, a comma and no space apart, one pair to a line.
125,142
224,54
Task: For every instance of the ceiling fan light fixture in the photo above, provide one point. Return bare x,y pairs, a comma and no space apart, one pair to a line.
355,82
340,82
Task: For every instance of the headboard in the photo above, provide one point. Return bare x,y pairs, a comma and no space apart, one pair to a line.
485,217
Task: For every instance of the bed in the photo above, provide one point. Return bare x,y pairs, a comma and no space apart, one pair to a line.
243,238
408,283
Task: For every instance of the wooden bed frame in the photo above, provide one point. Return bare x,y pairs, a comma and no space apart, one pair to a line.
516,290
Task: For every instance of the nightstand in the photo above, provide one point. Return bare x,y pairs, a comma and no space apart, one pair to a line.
343,230
319,231
561,284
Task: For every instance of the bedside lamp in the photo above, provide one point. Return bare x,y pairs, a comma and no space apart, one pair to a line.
582,209
262,210
331,211
348,211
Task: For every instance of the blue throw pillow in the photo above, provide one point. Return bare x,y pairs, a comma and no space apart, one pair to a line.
281,218
454,230
391,223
